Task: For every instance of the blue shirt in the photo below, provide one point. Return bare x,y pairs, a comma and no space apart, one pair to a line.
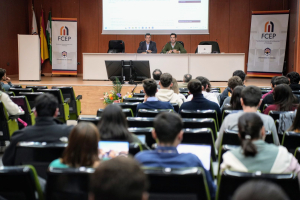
6,86
153,103
169,157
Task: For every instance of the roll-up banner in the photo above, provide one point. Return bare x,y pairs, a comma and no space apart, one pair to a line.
267,43
64,46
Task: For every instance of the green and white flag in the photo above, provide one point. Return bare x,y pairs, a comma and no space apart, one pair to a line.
49,36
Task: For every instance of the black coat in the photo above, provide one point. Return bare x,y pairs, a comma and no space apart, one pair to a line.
143,47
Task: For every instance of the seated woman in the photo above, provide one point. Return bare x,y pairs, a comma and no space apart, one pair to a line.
10,106
284,100
255,154
235,101
113,125
82,149
175,88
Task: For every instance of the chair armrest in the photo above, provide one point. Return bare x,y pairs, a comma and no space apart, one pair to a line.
14,116
67,100
79,97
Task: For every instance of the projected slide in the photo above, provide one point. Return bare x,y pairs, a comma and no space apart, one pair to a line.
155,16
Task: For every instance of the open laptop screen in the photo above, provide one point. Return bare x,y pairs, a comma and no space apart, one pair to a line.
112,149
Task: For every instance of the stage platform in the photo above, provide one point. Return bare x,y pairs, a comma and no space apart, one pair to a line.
92,91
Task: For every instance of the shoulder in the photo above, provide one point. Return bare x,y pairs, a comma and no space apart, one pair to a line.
266,118
152,42
58,163
193,160
143,155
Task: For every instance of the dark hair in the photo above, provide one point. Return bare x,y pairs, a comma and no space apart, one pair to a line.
167,126
250,125
166,79
187,78
156,76
204,82
195,86
240,74
281,80
173,34
259,190
234,81
147,34
113,124
120,178
294,77
46,105
283,97
296,123
273,81
2,73
251,95
150,87
82,149
235,100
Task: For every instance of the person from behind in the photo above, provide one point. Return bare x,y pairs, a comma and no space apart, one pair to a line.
165,93
272,86
259,190
46,128
4,78
147,46
232,83
82,149
168,132
175,88
186,80
173,46
156,76
113,125
284,99
151,102
235,100
294,79
255,154
296,122
199,102
250,102
11,107
119,179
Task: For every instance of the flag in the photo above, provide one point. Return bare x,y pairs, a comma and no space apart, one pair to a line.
34,29
44,47
49,36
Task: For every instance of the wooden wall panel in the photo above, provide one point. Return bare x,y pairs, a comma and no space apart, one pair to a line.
196,39
258,5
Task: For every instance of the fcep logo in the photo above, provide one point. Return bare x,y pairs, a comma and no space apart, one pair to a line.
64,32
269,31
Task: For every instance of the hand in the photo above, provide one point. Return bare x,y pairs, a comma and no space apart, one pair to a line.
175,51
170,51
144,52
149,51
7,79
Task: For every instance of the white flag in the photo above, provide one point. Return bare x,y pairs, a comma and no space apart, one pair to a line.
34,30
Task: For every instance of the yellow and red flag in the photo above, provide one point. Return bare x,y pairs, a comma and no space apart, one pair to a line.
43,40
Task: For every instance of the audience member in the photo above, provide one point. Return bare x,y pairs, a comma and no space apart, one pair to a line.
206,86
199,102
156,76
119,179
186,80
46,129
165,93
113,125
10,106
294,79
232,83
151,102
235,100
272,86
269,98
296,123
3,78
250,102
82,149
255,154
175,88
168,132
259,190
284,100
227,90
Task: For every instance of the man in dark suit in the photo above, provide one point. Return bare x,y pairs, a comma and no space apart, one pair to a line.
46,129
147,46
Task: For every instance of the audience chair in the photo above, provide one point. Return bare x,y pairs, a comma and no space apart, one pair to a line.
297,154
216,89
16,86
264,92
31,96
280,135
298,97
181,43
200,123
223,150
183,90
94,120
135,148
276,114
8,124
134,99
18,90
127,111
28,116
10,93
176,107
116,46
227,112
140,122
131,105
35,88
147,132
200,114
291,140
63,104
185,95
177,184
75,103
68,183
38,154
139,95
266,88
229,181
152,112
214,46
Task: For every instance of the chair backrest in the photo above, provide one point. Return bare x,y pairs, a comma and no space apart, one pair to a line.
35,88
230,181
19,183
264,92
116,46
152,112
200,123
144,131
298,97
68,92
94,120
214,46
135,148
183,90
140,95
56,92
68,184
38,154
31,96
177,184
297,154
176,107
134,99
130,105
10,93
18,90
224,149
140,122
200,114
291,140
127,111
24,104
227,112
216,89
4,128
181,43
16,86
275,114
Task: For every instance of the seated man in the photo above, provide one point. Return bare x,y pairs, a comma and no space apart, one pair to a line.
294,79
118,179
173,46
46,129
165,93
3,78
199,102
232,83
250,102
147,46
272,86
151,102
186,80
156,76
168,131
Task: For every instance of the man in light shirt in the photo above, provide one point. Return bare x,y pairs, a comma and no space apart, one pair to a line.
147,46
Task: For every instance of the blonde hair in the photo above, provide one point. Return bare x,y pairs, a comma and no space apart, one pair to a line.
175,87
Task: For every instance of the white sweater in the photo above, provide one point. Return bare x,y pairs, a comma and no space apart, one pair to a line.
10,106
168,96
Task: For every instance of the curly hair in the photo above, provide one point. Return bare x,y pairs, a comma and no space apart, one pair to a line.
294,77
235,81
